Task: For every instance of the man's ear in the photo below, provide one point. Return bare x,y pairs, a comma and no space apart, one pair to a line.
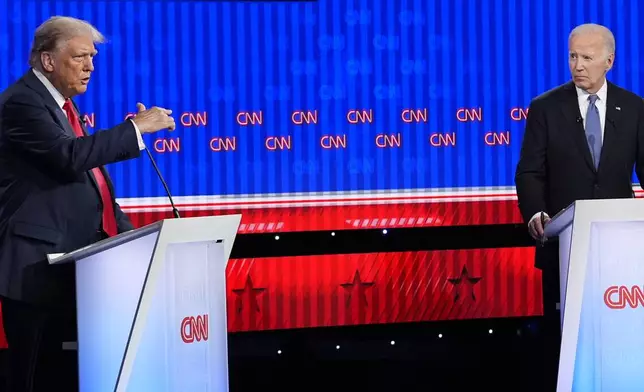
610,61
47,61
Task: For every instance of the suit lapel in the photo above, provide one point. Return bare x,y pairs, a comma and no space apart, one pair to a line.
62,119
611,124
32,82
570,108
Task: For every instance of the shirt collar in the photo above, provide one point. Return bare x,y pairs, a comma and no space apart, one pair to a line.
583,95
58,97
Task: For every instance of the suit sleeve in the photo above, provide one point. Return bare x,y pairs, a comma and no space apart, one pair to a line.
530,176
123,222
30,129
639,158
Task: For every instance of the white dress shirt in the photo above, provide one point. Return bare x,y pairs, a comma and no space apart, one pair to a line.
60,100
582,100
600,103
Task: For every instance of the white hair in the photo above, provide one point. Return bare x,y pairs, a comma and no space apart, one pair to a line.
592,28
57,30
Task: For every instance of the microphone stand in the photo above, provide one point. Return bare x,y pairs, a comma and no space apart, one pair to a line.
175,212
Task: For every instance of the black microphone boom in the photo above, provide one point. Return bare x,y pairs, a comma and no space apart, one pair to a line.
175,212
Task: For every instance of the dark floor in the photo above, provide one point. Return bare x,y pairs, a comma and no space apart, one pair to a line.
466,357
445,356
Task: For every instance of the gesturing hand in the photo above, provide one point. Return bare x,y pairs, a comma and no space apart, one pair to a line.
153,119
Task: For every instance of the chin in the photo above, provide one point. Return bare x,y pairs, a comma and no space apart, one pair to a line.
584,85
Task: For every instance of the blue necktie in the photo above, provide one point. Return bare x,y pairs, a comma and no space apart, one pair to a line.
594,130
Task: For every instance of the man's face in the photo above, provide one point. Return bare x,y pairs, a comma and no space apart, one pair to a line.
589,61
70,66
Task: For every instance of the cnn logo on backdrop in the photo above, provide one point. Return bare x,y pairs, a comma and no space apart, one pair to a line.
194,329
617,297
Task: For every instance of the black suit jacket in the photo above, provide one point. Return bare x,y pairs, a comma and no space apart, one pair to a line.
49,200
556,168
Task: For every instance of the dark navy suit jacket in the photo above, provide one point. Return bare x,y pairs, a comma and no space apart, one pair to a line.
556,168
49,200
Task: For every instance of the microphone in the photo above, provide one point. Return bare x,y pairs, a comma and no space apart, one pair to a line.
175,212
579,120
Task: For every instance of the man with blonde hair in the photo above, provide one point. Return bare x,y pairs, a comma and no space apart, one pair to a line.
582,141
55,195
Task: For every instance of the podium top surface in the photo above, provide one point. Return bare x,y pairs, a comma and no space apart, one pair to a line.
105,244
560,221
202,228
627,209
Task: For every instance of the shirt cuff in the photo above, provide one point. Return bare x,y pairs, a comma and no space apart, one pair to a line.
139,138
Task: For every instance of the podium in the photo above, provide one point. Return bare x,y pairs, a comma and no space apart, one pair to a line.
151,307
601,248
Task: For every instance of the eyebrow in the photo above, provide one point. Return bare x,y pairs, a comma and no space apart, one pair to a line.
83,52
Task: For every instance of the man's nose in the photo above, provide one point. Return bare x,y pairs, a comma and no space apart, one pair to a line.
89,65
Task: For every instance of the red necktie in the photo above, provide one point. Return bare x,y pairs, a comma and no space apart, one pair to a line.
109,218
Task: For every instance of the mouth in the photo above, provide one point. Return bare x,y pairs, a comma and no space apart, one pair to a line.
85,80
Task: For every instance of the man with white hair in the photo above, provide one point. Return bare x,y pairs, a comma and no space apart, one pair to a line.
581,141
55,195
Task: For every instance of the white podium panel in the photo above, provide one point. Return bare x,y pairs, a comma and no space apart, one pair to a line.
151,307
601,245
610,346
104,315
185,324
564,261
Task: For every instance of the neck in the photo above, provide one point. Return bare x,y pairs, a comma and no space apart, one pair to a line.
55,83
595,89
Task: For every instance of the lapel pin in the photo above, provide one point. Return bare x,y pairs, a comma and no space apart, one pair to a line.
618,108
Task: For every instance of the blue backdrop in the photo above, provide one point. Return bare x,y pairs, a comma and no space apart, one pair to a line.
209,61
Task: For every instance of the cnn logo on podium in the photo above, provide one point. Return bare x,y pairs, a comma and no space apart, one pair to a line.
194,329
617,297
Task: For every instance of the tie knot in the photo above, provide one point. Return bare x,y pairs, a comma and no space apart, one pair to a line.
68,104
592,98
